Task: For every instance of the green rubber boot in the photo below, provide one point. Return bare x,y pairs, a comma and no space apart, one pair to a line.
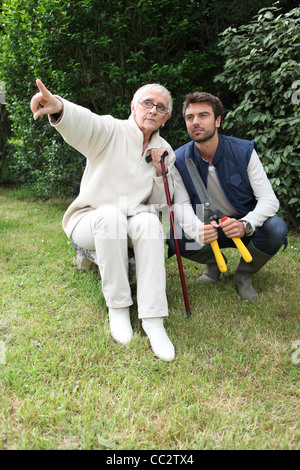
245,270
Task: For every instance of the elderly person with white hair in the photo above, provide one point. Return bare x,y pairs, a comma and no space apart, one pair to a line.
114,208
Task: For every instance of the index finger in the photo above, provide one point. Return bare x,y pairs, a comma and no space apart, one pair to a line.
42,87
213,223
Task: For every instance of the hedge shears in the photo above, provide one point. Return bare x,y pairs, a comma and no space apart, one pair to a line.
211,212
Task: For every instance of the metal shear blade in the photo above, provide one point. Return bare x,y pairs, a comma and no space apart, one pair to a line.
211,212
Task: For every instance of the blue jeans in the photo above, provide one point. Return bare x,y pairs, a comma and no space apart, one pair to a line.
268,238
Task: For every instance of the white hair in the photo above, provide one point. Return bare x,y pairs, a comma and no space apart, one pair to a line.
142,90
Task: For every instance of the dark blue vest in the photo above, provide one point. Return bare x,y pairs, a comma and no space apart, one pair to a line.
231,160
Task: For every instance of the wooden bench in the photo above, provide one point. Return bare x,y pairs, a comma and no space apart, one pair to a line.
87,260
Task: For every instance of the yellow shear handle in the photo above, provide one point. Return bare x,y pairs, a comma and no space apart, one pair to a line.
245,254
242,249
219,257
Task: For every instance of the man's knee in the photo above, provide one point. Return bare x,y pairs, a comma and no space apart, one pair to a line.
271,236
276,229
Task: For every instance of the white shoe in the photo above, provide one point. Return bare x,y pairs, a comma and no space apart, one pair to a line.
120,326
159,340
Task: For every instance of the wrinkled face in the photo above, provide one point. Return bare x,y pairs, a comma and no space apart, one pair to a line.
200,121
150,120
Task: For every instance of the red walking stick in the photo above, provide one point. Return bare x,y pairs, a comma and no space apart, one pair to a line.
169,202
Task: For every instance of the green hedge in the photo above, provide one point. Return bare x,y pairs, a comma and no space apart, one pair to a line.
262,70
97,53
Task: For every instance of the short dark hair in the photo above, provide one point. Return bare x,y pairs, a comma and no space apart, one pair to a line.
203,97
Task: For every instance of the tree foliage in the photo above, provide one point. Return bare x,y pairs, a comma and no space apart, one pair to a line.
262,70
97,53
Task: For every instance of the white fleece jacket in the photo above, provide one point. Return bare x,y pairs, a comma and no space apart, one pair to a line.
116,172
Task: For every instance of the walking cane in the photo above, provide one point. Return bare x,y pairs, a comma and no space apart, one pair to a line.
179,262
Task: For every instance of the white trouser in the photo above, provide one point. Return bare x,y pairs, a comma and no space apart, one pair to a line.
108,231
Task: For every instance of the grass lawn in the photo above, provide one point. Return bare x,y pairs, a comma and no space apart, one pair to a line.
65,384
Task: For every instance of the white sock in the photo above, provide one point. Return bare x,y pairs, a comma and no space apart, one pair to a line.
120,325
159,340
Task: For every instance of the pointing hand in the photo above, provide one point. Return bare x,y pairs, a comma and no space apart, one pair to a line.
44,102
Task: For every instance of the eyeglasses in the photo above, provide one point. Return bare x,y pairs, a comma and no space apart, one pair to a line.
149,105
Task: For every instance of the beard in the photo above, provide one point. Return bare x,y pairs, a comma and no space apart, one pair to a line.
206,135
